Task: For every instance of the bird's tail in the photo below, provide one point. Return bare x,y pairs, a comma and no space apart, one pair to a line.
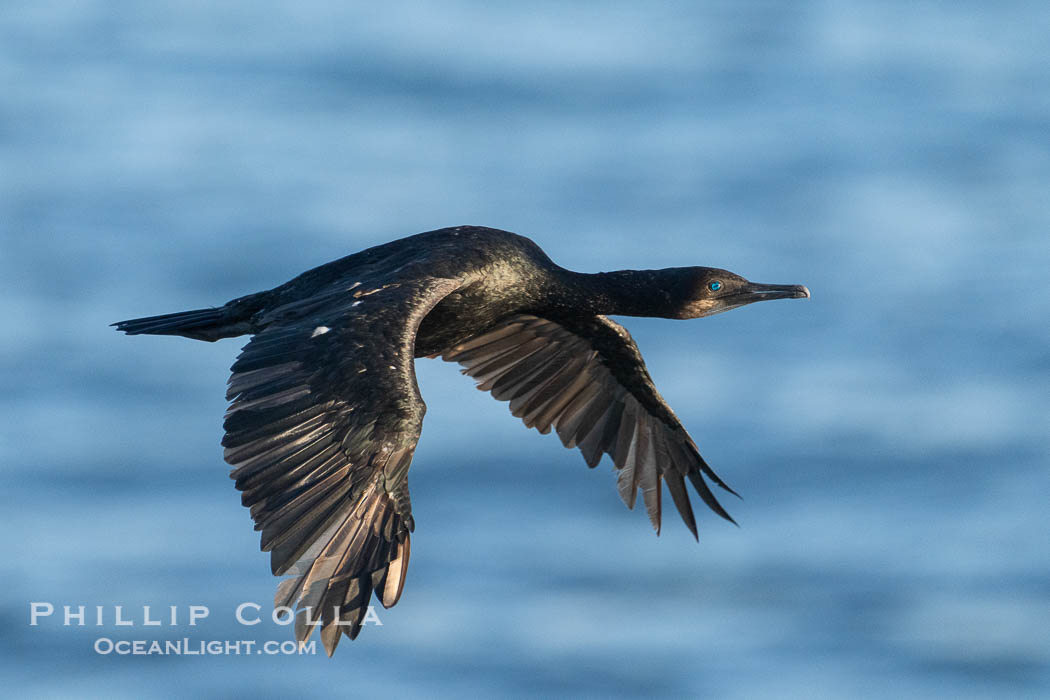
199,324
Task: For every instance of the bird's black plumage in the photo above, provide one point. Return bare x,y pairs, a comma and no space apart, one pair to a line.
325,412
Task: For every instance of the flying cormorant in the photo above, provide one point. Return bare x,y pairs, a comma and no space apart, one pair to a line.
325,412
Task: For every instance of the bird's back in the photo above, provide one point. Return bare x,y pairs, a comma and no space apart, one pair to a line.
499,272
459,252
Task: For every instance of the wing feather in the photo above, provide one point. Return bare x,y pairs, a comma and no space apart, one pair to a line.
320,439
584,377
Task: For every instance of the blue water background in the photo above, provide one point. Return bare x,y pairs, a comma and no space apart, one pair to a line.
891,436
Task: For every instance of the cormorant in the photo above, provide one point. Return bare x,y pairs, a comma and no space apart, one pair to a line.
325,412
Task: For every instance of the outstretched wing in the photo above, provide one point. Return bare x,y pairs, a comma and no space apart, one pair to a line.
324,419
584,377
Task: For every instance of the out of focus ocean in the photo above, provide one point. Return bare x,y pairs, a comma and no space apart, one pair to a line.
891,437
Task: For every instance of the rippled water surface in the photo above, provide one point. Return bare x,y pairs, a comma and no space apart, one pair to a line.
890,436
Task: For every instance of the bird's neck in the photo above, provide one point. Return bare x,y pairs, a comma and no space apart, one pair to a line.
626,292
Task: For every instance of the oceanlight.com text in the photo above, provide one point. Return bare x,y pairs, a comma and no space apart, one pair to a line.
201,647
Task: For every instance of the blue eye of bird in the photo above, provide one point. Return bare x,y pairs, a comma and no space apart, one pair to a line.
714,286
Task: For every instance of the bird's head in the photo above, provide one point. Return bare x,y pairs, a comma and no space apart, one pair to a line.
705,291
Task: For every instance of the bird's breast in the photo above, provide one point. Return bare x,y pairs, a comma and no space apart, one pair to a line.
474,308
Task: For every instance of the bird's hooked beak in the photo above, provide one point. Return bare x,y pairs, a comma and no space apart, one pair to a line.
761,292
752,292
721,291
